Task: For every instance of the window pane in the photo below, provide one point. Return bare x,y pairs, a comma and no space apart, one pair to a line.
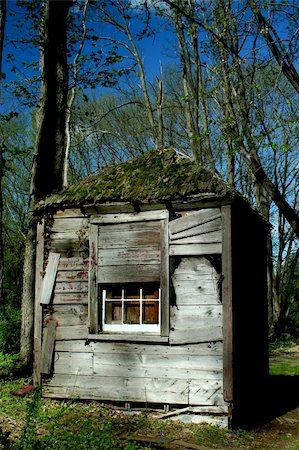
150,312
132,312
113,312
114,291
150,290
132,291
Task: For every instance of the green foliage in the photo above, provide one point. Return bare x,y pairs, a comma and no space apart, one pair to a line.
281,345
10,326
8,365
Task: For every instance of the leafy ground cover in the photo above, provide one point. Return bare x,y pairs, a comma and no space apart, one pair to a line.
34,423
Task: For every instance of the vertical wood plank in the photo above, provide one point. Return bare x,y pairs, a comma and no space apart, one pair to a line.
48,347
227,303
92,280
49,278
37,306
164,278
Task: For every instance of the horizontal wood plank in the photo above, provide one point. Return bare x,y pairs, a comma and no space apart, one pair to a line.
74,363
118,365
206,238
130,217
71,287
70,298
195,249
68,315
129,256
205,295
68,213
133,273
78,263
71,332
130,235
72,275
206,228
195,316
180,362
205,349
193,219
69,225
191,335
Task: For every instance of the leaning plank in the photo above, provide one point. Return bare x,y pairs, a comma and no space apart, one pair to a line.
48,347
49,278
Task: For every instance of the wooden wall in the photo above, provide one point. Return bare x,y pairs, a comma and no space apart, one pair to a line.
187,370
249,313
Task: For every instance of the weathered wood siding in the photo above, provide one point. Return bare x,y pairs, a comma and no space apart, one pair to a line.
188,369
129,252
69,238
187,374
196,233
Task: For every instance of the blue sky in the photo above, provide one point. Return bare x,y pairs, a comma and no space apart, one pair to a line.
155,50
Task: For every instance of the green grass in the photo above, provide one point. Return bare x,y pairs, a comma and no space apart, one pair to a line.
283,369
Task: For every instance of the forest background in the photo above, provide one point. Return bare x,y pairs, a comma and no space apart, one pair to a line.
215,79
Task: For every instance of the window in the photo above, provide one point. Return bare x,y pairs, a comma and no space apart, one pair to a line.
128,284
131,307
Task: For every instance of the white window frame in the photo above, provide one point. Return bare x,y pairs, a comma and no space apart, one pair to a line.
132,327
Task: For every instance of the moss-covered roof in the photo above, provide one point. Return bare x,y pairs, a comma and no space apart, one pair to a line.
159,175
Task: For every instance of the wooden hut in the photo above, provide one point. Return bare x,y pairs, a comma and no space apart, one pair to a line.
151,292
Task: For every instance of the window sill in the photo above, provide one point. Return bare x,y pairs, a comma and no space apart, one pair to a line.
128,338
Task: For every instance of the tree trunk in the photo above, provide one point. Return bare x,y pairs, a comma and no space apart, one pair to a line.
47,169
50,145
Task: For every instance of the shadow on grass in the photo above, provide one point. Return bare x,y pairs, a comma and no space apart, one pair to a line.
265,401
282,395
